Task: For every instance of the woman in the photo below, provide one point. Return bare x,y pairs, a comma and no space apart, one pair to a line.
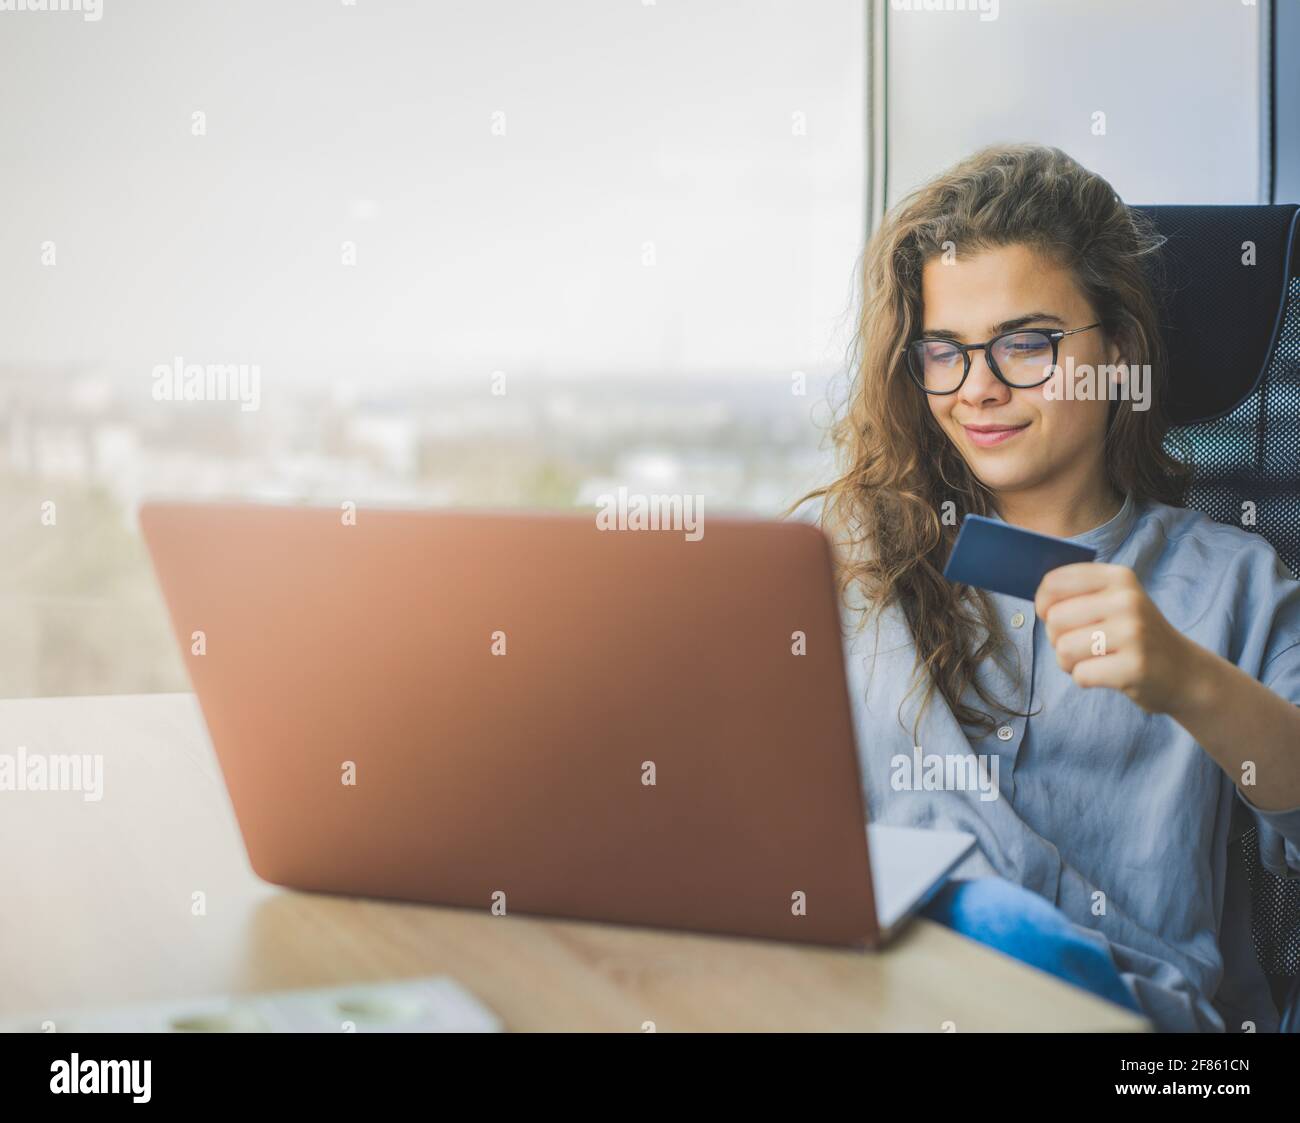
1143,702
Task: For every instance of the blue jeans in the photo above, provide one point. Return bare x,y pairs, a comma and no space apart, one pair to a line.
1020,923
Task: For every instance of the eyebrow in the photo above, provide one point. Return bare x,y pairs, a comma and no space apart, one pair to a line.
1034,318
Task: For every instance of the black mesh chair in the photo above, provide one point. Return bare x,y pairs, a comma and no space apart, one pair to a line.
1232,329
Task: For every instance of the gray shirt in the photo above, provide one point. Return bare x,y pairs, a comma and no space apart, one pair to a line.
1114,815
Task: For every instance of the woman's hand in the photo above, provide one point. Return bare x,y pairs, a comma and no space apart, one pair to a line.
1106,631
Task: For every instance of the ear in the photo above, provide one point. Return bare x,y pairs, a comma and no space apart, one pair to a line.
1114,349
1117,346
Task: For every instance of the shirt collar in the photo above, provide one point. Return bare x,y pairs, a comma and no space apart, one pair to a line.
1108,537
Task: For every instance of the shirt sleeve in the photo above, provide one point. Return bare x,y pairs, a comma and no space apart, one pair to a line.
1279,604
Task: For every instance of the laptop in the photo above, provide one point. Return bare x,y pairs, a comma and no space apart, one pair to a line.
527,713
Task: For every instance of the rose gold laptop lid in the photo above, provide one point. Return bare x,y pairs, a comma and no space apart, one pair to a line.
527,712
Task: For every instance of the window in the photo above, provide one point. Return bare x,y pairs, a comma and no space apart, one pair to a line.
424,253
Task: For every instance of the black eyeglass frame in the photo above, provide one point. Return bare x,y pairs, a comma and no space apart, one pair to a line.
1054,334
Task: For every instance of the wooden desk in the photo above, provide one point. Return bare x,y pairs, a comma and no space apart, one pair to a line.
97,911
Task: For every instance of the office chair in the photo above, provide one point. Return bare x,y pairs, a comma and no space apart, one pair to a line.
1230,279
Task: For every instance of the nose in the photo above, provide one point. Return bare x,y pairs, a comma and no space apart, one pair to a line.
982,387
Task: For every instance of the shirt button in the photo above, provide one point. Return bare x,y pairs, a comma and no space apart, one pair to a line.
1005,733
1018,620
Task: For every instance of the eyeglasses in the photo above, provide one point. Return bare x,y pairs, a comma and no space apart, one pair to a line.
1019,359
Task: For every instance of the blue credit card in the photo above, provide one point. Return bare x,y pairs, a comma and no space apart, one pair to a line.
994,555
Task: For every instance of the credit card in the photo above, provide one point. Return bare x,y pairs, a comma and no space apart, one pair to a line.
994,555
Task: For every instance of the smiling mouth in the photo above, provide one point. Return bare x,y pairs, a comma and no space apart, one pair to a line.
986,436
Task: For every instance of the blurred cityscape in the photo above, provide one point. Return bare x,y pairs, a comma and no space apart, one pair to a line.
79,607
